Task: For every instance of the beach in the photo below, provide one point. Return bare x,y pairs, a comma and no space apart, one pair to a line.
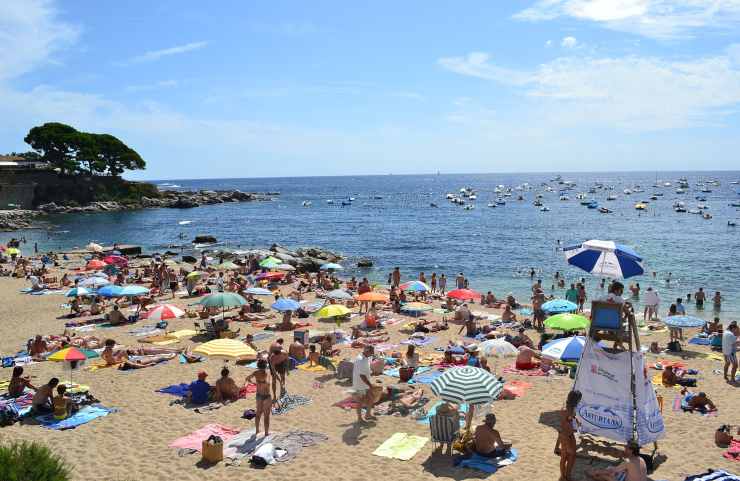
132,443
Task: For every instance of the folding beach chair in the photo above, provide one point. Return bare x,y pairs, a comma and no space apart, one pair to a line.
444,430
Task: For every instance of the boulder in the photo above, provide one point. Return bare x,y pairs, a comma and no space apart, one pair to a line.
364,263
277,248
189,259
310,264
184,203
204,239
287,258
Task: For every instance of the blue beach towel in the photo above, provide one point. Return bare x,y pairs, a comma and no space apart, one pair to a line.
701,341
83,416
425,377
489,465
175,389
394,371
433,410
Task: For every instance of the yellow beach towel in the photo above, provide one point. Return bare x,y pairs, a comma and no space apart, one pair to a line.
316,368
658,381
4,385
714,356
401,446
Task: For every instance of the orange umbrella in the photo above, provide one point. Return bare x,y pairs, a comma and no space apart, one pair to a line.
95,265
373,297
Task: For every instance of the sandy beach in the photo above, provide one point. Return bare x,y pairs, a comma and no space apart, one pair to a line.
132,444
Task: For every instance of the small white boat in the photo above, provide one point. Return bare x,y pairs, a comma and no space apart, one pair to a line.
469,207
627,191
329,201
564,197
680,191
707,216
306,203
611,197
731,223
185,222
473,197
492,205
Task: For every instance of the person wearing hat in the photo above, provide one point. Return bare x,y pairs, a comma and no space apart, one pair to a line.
487,441
199,391
474,359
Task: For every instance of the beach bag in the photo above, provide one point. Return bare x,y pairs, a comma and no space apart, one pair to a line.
8,361
723,436
213,449
8,415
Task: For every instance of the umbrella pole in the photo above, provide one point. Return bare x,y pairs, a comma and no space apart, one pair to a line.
469,417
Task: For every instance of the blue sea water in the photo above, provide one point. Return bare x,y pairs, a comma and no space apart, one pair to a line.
391,222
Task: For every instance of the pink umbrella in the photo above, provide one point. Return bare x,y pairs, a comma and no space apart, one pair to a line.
464,294
117,261
163,312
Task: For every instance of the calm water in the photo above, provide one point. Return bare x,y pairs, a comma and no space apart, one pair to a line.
491,246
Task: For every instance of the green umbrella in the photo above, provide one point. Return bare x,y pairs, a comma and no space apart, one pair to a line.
567,322
270,262
223,300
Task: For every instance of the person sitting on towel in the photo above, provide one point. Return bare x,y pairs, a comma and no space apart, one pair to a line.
226,388
698,402
115,316
199,391
525,359
62,405
487,441
633,468
670,378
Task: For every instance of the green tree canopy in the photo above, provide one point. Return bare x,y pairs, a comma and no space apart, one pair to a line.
75,152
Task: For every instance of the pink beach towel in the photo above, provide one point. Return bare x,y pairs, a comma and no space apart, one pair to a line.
516,388
523,372
348,404
733,454
195,439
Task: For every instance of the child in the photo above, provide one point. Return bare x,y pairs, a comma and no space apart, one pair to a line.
62,405
313,356
566,435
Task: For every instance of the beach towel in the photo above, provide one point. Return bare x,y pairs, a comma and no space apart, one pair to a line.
393,372
401,446
488,465
145,331
194,440
713,475
515,388
83,416
175,389
289,402
100,365
306,367
658,381
733,454
524,372
425,377
462,409
701,341
347,404
261,336
418,342
713,356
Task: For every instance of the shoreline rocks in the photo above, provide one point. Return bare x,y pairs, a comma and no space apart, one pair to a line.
11,220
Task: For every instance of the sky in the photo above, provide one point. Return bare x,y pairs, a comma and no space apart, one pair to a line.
293,88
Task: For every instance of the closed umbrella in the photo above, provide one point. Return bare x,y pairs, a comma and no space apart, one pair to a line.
559,305
567,322
226,349
414,286
681,322
464,294
498,348
605,258
283,305
339,294
164,312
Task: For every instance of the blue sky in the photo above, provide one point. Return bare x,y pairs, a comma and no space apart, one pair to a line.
278,88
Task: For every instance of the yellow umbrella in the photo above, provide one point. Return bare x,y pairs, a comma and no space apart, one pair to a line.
227,266
12,251
193,274
226,348
332,310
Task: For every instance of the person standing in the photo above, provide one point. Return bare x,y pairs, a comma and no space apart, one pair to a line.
572,294
396,277
699,298
652,300
566,435
680,308
729,350
433,282
264,400
460,281
442,284
361,383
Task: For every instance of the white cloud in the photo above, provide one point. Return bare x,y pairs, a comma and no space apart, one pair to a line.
662,19
569,42
154,55
633,93
548,43
29,36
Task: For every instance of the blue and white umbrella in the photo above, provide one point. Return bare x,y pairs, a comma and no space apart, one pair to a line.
93,282
339,294
331,267
258,291
683,321
567,349
78,291
284,304
110,290
133,291
559,305
605,258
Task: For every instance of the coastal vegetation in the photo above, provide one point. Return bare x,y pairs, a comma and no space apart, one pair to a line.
23,461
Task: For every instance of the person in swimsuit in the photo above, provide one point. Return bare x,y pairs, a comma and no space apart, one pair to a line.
278,367
487,441
566,435
226,388
633,468
18,383
264,400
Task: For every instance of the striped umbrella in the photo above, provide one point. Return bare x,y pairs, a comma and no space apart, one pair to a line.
163,312
605,258
416,307
683,321
498,348
414,286
227,349
467,385
72,355
78,291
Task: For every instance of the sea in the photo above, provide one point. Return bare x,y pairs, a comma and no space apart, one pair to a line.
408,221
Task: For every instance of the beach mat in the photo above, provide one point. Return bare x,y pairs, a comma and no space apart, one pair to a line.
733,453
401,446
195,439
347,404
516,388
83,416
488,465
524,372
713,475
425,377
288,403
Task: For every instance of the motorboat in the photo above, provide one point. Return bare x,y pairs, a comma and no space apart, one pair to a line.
564,197
450,196
469,207
604,210
611,197
694,211
653,197
640,206
329,201
593,205
702,207
537,203
707,216
627,191
580,195
500,202
731,223
680,191
701,198
544,209
492,205
586,201
433,205
377,197
306,203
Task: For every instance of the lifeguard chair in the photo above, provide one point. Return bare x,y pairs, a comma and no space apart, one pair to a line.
611,321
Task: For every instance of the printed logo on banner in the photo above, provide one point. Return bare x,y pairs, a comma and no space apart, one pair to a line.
599,371
655,422
600,416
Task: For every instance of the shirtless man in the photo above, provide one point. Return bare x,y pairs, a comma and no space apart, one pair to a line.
525,358
115,316
487,441
37,348
226,388
508,315
41,402
633,467
297,350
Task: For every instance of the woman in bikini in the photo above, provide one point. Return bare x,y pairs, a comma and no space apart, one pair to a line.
566,435
264,399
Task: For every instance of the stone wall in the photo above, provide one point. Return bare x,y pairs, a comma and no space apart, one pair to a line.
16,194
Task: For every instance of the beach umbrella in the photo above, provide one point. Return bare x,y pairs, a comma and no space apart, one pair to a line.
133,291
116,261
71,355
258,291
270,276
226,349
339,294
467,385
13,251
414,286
94,282
194,274
227,266
110,290
95,265
164,312
92,246
559,305
567,349
283,304
416,307
78,291
270,262
373,297
330,266
284,267
681,322
222,299
605,258
464,294
567,322
498,348
332,310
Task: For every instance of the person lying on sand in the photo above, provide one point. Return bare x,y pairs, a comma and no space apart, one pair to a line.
698,401
670,378
633,468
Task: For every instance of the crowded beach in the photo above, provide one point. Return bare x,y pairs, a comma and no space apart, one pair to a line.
142,367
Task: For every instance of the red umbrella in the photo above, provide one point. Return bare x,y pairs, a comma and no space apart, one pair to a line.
116,261
464,294
95,265
272,276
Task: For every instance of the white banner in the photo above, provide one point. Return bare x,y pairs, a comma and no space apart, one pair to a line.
606,407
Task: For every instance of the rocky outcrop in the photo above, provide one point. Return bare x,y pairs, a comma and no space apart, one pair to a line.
204,239
364,263
306,259
17,219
